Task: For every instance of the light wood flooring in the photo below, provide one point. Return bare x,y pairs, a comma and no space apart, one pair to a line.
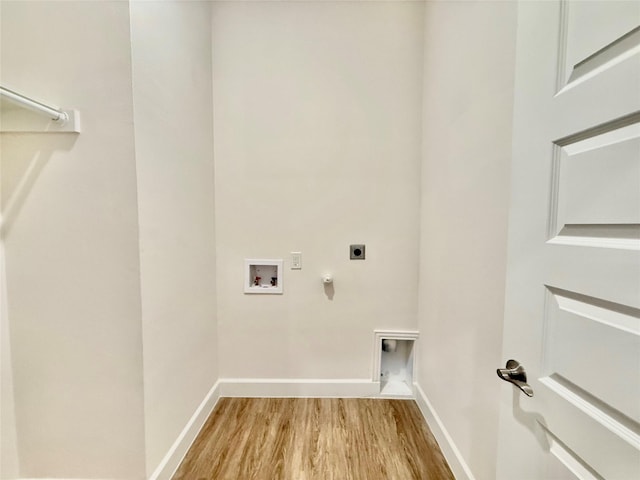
314,438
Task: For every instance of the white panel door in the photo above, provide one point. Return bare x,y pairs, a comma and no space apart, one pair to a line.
572,315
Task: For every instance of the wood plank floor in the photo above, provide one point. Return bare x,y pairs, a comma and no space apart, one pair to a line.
314,438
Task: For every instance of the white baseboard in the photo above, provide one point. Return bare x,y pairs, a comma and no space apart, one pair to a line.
303,387
178,450
456,462
256,387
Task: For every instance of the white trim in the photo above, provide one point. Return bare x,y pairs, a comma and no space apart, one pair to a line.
459,467
378,336
601,242
300,387
264,288
178,450
397,334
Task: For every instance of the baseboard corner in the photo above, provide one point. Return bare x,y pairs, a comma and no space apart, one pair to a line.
458,465
171,461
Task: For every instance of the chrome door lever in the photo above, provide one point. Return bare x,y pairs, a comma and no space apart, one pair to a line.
515,373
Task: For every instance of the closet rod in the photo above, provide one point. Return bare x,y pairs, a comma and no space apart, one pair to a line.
55,114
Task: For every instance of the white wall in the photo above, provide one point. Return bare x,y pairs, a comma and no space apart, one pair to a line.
8,436
323,121
71,241
171,54
468,89
317,145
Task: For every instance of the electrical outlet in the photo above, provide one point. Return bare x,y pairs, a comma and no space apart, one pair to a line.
356,252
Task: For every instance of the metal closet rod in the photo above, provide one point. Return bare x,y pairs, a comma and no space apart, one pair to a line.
55,114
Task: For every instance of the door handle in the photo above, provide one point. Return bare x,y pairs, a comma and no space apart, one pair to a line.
515,373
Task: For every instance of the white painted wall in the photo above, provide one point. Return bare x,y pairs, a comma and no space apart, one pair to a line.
323,120
70,234
317,145
8,436
468,90
171,54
